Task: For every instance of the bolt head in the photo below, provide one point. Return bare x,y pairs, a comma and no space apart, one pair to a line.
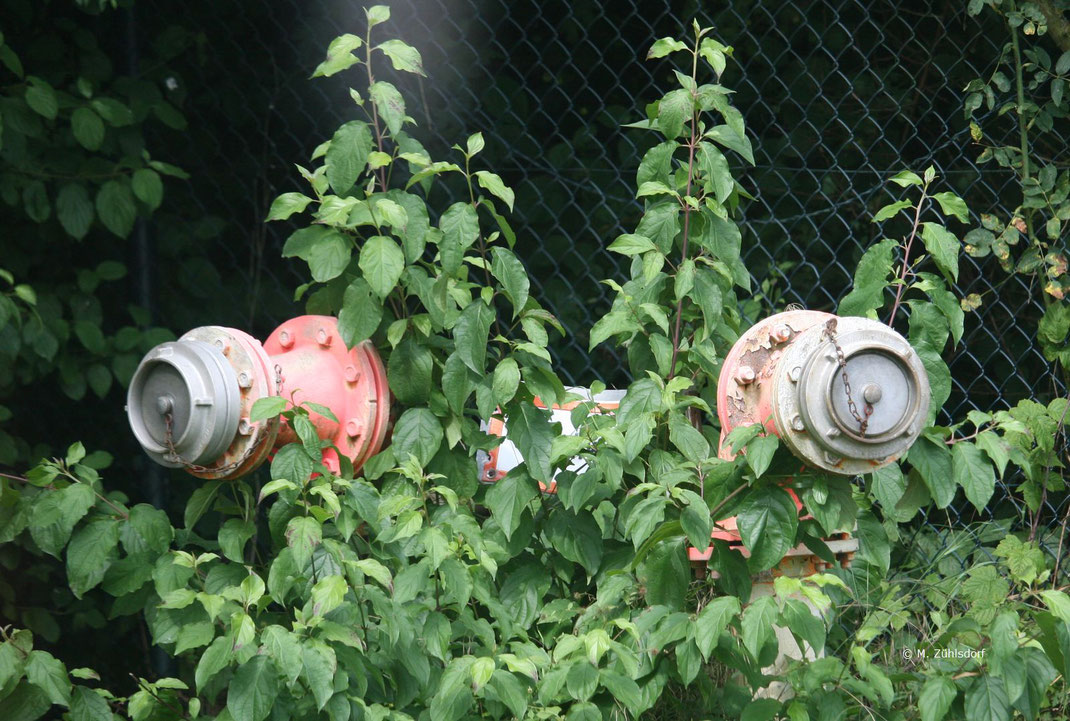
794,374
491,473
832,458
745,375
286,340
244,381
872,393
352,374
353,427
323,337
164,404
780,334
797,423
245,427
833,433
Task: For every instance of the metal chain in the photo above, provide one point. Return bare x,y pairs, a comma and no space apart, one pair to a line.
169,441
863,422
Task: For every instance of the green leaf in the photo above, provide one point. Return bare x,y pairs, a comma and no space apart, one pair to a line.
319,665
147,187
673,109
48,673
88,705
732,140
475,143
531,430
347,156
767,523
251,694
656,164
213,660
717,177
389,103
494,185
41,97
88,128
933,461
760,453
409,372
292,463
873,540
287,204
55,515
269,407
974,473
871,278
762,709
944,248
1059,603
906,178
74,210
714,619
687,438
460,228
582,680
382,262
508,498
664,46
891,210
329,255
631,244
986,700
471,333
757,624
952,204
417,432
660,223
403,56
303,534
377,14
339,55
114,112
199,502
936,697
90,553
361,313
510,272
505,381
115,207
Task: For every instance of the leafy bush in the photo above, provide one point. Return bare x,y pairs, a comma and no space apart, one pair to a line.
411,591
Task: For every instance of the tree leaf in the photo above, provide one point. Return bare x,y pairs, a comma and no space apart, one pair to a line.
871,278
402,56
686,437
417,432
510,272
508,498
41,97
673,109
471,334
382,262
757,624
952,204
732,140
329,255
891,210
90,553
409,372
944,248
767,523
361,313
390,104
115,207
48,673
74,210
505,381
460,228
986,700
88,705
88,128
494,185
533,434
287,204
936,697
346,157
303,534
147,187
251,694
714,619
973,472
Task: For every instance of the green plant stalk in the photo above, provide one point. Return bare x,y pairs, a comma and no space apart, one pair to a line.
906,255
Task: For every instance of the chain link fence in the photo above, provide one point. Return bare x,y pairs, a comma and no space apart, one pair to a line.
837,95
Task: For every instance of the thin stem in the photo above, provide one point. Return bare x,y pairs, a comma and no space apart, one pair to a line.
375,113
906,255
117,509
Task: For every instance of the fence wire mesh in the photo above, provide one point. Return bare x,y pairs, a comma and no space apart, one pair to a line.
837,94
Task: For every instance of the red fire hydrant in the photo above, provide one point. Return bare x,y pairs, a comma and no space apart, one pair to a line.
190,400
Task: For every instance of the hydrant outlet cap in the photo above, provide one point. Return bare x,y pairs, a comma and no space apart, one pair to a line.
193,382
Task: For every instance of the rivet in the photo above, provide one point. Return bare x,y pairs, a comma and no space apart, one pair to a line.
780,334
244,381
352,374
285,339
833,433
245,427
323,337
797,423
491,473
794,374
353,428
745,375
832,458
